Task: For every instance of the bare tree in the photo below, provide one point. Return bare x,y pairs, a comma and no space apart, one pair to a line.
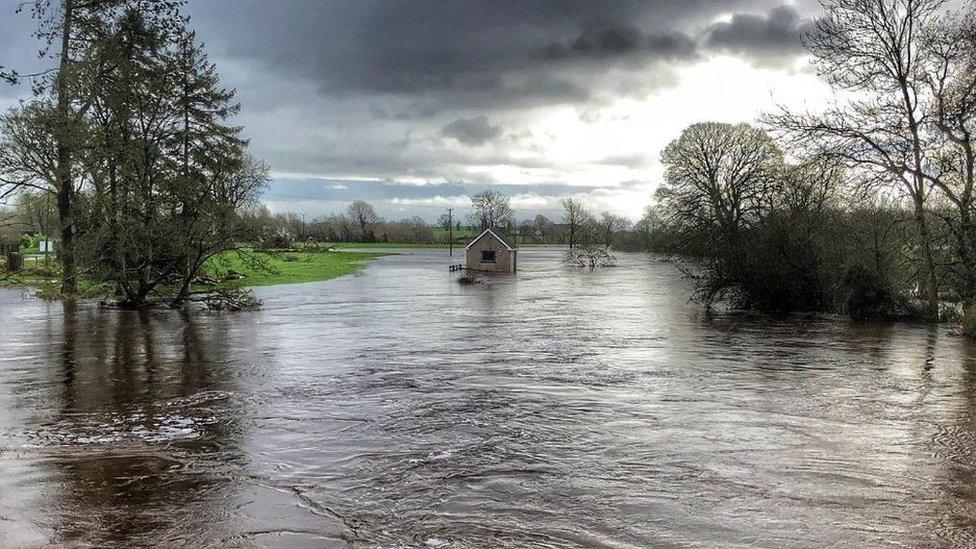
543,227
609,225
590,256
876,50
950,48
576,216
808,186
492,210
651,229
717,176
365,218
445,222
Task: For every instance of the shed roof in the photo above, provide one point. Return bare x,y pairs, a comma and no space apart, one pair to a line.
492,233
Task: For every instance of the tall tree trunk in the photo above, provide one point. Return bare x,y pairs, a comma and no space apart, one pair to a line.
930,281
66,191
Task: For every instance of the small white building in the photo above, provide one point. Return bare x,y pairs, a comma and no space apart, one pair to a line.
490,253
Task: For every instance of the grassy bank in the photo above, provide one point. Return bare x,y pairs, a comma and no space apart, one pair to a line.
274,269
28,278
290,267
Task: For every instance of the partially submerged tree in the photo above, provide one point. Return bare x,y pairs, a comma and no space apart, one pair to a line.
756,223
590,256
171,175
950,48
67,29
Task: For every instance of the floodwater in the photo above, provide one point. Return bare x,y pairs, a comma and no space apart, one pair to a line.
558,408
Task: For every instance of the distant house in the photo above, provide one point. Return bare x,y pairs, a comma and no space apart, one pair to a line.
489,252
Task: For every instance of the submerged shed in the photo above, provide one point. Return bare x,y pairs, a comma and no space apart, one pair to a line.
490,253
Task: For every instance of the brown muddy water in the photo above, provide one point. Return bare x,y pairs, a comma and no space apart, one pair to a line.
557,408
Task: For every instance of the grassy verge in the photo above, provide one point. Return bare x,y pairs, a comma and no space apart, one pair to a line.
290,267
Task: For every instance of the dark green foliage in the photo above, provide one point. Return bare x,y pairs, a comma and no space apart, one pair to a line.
868,295
134,138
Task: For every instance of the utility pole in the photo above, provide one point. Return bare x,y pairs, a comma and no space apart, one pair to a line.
450,232
47,239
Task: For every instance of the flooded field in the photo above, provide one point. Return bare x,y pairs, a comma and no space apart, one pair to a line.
558,408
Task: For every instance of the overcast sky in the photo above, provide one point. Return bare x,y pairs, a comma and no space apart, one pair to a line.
413,105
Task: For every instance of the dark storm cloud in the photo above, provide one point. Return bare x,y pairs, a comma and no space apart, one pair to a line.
767,38
462,51
472,131
620,42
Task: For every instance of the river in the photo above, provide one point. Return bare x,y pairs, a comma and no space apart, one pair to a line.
555,408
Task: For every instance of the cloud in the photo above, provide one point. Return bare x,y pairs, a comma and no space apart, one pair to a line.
507,91
622,42
459,52
632,161
770,39
472,132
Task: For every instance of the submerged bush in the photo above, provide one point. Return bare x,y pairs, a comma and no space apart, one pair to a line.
590,256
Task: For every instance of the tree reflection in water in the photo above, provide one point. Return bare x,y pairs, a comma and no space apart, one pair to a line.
140,426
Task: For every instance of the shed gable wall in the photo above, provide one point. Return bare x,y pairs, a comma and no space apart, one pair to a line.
503,256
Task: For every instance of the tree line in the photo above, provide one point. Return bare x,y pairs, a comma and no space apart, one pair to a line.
130,136
489,210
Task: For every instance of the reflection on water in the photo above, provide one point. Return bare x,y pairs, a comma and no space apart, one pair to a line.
556,408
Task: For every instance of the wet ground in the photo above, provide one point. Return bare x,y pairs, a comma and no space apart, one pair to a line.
558,408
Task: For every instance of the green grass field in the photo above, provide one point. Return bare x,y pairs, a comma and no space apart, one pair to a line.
386,245
441,234
290,267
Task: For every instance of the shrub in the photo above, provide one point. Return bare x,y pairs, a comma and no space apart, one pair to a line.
869,295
